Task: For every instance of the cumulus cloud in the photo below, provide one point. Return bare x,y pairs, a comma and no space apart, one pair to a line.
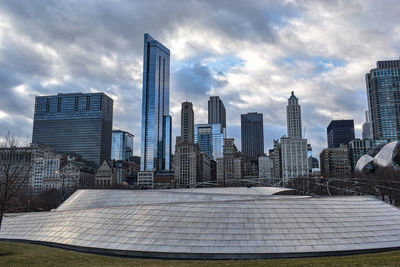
250,53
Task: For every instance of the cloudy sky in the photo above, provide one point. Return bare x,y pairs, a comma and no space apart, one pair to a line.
250,53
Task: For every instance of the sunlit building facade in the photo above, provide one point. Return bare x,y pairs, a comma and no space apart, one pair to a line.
210,138
122,145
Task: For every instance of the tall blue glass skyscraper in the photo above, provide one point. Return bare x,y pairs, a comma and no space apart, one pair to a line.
75,123
122,145
383,91
156,122
210,138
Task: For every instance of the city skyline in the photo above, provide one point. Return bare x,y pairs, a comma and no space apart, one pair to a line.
46,60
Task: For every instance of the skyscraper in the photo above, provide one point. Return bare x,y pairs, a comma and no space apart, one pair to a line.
294,157
293,113
335,162
77,122
383,92
156,122
340,132
367,128
188,159
122,145
252,135
230,167
294,147
187,123
217,112
265,165
276,157
210,138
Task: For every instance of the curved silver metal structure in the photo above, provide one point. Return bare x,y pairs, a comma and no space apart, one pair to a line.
103,198
384,157
363,162
224,224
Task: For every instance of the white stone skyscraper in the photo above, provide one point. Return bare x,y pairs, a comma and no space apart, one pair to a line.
293,112
294,147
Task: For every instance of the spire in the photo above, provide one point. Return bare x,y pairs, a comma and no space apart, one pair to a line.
292,98
294,117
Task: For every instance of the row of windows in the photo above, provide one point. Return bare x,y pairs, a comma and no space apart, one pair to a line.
78,106
103,182
386,72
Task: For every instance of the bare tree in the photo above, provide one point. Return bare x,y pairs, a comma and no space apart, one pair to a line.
47,200
15,169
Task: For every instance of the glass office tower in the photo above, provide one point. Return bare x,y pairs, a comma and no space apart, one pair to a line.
156,122
217,112
122,145
340,132
76,123
383,92
252,135
167,134
210,138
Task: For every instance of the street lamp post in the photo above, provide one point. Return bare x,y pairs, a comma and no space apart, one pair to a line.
320,181
224,177
62,187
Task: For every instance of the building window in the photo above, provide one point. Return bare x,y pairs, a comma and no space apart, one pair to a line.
87,103
59,104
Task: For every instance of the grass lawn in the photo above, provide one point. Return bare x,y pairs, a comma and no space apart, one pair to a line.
20,254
